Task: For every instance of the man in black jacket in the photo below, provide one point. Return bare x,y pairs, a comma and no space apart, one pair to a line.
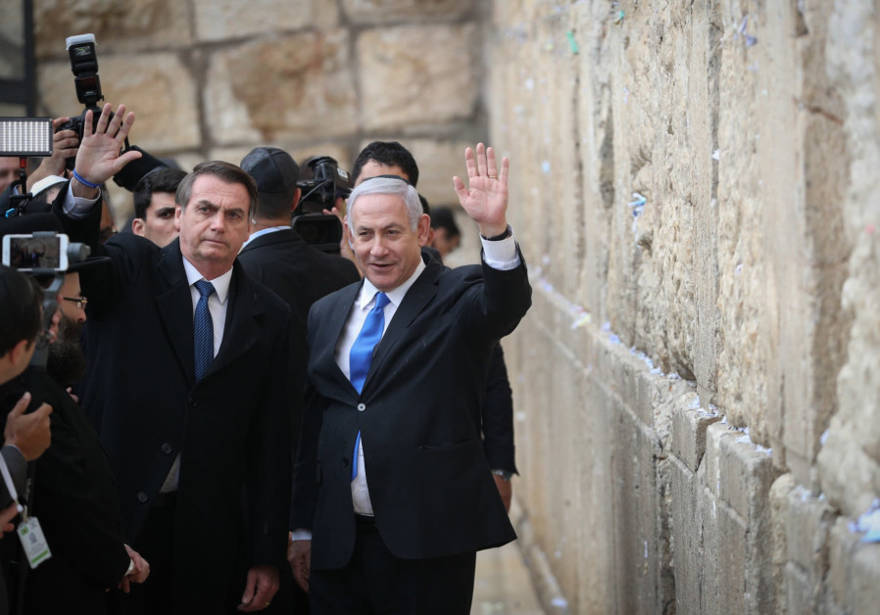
75,498
394,485
190,390
278,257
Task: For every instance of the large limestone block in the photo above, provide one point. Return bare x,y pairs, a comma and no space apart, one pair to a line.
225,19
156,86
689,424
389,11
687,537
116,25
417,74
285,89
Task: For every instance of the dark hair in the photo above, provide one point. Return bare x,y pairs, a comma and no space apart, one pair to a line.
21,303
388,153
223,170
442,217
163,179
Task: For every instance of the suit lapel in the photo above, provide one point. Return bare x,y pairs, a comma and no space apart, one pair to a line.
324,350
243,314
174,304
415,300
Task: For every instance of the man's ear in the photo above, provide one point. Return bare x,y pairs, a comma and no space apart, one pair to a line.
178,213
296,197
423,230
19,350
138,226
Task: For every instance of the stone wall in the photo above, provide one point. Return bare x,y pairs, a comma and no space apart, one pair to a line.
696,188
211,79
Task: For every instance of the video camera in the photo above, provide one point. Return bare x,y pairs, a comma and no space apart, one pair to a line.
322,184
49,254
84,64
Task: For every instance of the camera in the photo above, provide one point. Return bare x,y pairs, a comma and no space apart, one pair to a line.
322,184
84,64
42,252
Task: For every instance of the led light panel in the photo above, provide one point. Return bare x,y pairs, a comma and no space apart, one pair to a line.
25,136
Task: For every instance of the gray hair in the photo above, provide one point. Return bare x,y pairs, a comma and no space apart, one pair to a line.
388,185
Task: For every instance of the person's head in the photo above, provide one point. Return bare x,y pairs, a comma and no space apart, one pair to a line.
154,206
66,362
20,321
386,228
447,235
275,172
216,203
8,171
385,158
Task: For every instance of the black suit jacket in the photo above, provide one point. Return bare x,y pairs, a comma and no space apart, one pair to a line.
299,273
419,418
77,504
231,428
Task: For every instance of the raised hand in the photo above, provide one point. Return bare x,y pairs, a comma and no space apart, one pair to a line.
485,197
98,158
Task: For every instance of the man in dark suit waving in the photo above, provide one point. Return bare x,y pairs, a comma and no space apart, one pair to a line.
189,393
395,491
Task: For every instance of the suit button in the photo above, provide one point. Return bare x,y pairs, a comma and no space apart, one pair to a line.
142,497
193,403
362,407
166,448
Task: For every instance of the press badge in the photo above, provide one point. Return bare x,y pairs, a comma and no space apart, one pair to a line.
33,541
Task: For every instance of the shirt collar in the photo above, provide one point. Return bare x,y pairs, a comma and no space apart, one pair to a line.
221,283
395,296
264,231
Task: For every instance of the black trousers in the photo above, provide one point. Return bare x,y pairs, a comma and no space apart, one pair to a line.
375,582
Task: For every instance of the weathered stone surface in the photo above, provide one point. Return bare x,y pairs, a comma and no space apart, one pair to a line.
385,11
849,458
417,74
689,424
303,89
116,26
166,119
227,19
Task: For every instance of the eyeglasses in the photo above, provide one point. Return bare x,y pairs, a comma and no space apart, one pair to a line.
81,301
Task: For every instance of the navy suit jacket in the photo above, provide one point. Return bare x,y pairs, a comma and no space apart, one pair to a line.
419,415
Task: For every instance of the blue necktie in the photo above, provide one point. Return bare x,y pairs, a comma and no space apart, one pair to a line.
203,330
361,355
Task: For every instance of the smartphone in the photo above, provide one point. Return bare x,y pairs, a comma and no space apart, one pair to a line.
46,251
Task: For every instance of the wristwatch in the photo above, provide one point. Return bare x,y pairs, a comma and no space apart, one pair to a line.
505,474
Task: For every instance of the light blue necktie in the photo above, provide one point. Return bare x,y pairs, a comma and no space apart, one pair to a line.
203,330
361,355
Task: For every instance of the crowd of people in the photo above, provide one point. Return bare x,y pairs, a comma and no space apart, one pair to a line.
239,421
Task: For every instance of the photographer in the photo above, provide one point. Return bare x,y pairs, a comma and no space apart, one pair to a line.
74,495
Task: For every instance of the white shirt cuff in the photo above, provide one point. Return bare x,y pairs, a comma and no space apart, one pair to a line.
77,207
502,254
300,535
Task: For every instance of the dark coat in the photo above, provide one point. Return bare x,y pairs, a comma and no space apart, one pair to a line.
232,427
299,273
419,418
76,501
